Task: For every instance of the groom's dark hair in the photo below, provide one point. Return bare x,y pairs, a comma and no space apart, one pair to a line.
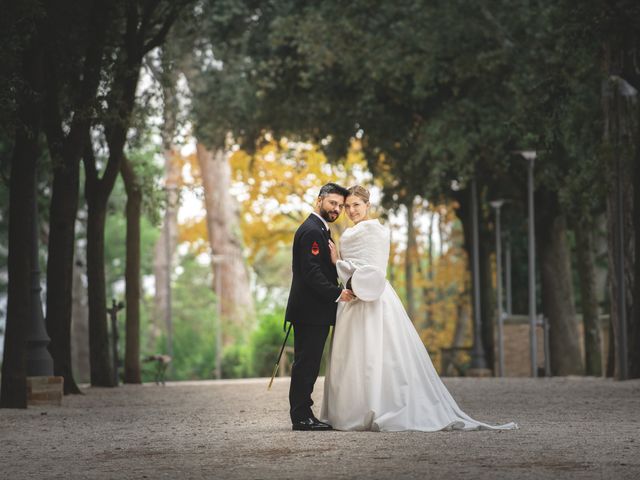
330,188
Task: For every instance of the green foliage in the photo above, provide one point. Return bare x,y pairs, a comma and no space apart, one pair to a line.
440,91
115,235
148,174
236,362
194,312
266,341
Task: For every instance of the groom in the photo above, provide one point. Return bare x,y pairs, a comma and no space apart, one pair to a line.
312,304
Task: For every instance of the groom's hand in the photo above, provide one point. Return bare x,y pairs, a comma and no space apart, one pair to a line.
347,295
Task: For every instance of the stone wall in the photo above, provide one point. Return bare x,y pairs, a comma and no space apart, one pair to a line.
516,346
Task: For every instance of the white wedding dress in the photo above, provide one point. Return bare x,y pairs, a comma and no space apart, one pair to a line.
379,376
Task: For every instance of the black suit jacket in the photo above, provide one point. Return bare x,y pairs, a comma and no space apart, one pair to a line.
314,287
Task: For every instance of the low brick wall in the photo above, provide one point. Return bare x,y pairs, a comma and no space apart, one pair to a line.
44,390
516,346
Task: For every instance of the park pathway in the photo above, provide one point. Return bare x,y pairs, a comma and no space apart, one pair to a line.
570,428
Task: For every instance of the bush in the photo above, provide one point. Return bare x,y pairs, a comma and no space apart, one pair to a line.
266,341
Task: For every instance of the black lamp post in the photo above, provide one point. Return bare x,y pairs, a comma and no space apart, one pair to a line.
530,156
39,361
497,204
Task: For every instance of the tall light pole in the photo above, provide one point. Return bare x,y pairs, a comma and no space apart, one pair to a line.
217,261
169,263
39,361
621,300
507,273
530,156
497,204
621,90
478,361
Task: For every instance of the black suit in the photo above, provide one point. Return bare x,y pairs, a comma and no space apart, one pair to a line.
311,309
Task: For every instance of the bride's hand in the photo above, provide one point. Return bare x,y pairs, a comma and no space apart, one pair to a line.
334,252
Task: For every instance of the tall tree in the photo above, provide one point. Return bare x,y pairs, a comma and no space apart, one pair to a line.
132,273
230,272
146,25
588,298
22,199
167,74
79,68
622,137
411,261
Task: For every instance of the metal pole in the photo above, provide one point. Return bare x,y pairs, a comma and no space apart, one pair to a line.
168,259
507,261
478,360
622,330
532,270
39,361
496,205
217,260
547,347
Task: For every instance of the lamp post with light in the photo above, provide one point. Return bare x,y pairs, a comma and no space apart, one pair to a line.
497,204
530,156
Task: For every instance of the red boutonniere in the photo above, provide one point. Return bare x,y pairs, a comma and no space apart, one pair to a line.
315,248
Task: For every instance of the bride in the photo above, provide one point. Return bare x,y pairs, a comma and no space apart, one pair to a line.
379,376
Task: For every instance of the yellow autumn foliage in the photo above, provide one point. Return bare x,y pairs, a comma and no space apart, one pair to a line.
277,187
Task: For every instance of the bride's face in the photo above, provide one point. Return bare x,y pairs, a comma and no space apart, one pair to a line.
356,208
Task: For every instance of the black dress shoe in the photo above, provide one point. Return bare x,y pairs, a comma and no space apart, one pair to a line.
311,424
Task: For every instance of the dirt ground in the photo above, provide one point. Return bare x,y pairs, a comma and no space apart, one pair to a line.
569,428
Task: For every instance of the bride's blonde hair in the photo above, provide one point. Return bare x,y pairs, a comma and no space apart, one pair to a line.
360,192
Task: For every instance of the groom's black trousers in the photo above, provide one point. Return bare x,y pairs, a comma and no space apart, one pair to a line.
308,341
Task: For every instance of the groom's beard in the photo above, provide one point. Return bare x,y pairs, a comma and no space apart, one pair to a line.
329,216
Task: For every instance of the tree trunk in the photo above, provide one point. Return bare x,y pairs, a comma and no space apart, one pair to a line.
428,292
132,275
167,241
487,292
67,152
410,260
13,391
63,210
557,287
622,136
222,226
634,347
80,325
589,298
464,213
462,321
611,353
120,100
101,366
164,252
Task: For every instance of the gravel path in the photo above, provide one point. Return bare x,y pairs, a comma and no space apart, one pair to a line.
570,428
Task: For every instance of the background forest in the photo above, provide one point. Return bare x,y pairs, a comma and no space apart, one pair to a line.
162,154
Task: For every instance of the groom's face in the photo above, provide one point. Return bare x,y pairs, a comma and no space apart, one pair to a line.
329,207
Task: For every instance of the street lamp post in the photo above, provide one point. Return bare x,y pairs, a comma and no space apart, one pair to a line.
620,91
497,204
168,268
217,261
478,361
39,361
507,273
530,156
621,300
